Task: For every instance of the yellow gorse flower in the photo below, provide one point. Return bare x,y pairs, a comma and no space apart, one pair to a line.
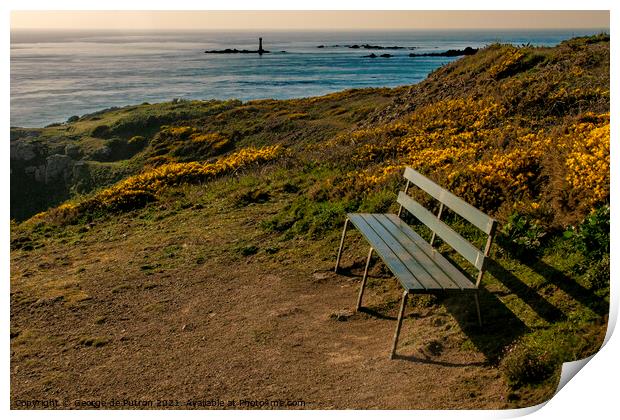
144,187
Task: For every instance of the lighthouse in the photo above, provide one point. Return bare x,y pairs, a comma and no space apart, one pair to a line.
260,46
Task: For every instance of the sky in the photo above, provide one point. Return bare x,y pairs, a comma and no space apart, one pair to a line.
308,20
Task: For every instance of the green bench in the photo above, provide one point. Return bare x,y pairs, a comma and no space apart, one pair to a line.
419,267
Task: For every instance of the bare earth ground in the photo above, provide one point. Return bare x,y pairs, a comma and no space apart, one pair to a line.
169,310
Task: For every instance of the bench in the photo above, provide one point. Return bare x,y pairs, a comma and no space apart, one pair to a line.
418,266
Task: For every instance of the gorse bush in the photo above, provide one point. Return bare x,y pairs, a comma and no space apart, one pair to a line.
188,143
140,189
484,142
202,145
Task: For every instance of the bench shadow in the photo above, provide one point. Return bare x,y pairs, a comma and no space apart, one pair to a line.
376,314
356,270
543,308
568,285
415,359
500,326
348,271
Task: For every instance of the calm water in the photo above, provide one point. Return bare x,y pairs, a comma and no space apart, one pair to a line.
55,75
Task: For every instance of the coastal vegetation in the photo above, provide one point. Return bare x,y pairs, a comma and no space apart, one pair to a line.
205,188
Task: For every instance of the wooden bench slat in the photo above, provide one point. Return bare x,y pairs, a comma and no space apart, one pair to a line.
456,241
405,255
446,266
464,209
389,258
426,255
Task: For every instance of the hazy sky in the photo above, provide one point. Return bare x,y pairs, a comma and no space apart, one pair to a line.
319,20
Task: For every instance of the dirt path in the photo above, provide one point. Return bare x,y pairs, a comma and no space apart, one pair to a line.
253,328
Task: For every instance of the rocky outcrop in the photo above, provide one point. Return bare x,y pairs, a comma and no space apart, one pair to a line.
73,150
82,180
102,154
44,174
36,172
58,167
23,151
23,133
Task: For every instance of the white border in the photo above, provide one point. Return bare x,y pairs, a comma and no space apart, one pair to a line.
593,394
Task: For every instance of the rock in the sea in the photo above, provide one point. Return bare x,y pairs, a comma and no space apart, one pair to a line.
236,51
373,55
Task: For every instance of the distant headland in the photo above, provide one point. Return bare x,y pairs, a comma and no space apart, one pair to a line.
449,53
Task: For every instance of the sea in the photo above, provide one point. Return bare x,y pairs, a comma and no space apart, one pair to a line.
58,74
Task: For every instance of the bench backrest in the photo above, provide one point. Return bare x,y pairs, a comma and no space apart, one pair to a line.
468,212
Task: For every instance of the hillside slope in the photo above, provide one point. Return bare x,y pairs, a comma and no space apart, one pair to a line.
193,257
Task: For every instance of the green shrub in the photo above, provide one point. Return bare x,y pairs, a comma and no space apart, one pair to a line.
116,143
101,131
525,365
537,356
305,216
378,203
137,141
255,195
248,250
592,236
598,274
520,235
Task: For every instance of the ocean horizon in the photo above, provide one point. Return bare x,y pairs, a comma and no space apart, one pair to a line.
56,74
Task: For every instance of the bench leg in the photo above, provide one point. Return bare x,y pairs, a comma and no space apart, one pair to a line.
361,294
400,322
344,232
478,308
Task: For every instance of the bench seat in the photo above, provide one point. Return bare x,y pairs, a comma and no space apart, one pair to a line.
418,266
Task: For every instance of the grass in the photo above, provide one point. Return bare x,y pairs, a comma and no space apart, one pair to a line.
520,293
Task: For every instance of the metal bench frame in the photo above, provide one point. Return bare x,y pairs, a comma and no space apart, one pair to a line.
419,267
